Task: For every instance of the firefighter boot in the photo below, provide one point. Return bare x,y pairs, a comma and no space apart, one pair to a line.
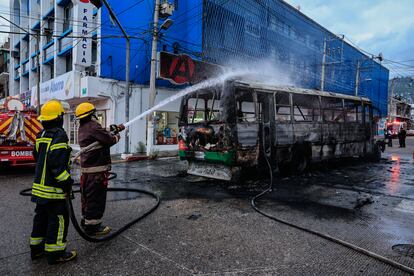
97,230
65,257
37,252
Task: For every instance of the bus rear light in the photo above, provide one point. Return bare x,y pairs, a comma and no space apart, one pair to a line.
182,145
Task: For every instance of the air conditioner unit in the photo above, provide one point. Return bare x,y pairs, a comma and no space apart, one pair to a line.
166,9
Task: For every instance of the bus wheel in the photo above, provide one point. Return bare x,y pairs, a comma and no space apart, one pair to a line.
375,156
300,161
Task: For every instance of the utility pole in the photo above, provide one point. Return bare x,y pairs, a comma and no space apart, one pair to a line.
357,78
127,66
38,72
152,88
323,66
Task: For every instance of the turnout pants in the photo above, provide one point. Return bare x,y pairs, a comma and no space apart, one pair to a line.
50,228
94,189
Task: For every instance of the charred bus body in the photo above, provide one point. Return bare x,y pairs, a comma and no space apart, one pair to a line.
226,129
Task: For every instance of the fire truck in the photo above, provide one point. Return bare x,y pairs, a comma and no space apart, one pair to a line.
18,130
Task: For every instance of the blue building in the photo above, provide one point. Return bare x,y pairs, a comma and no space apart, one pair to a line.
222,31
82,54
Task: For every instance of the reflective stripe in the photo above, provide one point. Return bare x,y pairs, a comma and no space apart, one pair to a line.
63,176
97,169
59,245
47,189
42,180
46,195
36,241
59,240
42,140
54,247
59,146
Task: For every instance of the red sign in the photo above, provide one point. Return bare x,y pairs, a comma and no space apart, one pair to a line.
182,69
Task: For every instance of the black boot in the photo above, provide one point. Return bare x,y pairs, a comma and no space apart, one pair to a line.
96,230
63,258
37,253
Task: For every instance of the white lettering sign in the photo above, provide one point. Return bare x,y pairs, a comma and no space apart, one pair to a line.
23,153
59,88
82,47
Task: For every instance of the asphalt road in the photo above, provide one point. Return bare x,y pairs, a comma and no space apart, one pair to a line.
208,227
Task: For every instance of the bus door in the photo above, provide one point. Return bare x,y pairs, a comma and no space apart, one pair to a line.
263,113
283,113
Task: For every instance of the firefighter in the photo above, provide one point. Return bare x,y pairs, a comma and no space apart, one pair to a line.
402,134
52,184
95,167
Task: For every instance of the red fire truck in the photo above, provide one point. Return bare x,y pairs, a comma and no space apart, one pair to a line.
18,130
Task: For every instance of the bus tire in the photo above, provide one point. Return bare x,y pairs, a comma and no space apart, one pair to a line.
375,156
300,159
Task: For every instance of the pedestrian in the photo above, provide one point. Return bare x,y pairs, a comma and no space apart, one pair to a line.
389,136
95,167
52,184
402,134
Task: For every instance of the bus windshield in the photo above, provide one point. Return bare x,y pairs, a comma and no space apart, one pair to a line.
203,106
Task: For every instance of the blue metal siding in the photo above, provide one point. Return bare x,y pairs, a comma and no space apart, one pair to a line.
223,31
186,31
254,30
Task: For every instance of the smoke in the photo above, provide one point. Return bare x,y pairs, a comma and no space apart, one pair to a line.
261,71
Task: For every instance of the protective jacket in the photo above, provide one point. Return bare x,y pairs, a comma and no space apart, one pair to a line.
98,159
52,176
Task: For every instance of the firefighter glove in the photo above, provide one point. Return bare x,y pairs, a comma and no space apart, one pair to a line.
67,185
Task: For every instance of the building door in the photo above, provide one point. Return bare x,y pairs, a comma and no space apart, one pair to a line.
73,129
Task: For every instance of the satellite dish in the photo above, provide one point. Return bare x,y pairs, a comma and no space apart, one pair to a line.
15,105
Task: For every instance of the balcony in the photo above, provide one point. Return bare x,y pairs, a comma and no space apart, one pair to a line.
65,43
25,69
48,53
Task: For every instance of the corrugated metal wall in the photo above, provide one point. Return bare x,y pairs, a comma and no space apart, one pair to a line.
248,30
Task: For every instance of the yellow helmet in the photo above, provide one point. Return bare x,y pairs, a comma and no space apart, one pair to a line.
84,110
51,110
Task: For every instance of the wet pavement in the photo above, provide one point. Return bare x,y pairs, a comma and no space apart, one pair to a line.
208,227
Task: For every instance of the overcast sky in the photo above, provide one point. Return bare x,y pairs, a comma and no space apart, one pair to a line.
4,11
377,26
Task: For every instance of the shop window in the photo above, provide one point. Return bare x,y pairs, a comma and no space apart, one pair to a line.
73,129
69,63
166,128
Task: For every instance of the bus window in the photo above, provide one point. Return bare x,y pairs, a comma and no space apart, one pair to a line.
282,107
333,110
306,108
367,114
359,112
245,107
351,110
196,110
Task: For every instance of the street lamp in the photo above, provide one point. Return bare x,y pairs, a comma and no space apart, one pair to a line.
167,24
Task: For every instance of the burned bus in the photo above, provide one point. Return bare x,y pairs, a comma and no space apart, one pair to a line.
229,128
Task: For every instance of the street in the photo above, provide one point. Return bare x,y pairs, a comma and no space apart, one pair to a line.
208,227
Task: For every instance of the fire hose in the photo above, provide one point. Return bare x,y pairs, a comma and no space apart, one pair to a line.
69,198
320,234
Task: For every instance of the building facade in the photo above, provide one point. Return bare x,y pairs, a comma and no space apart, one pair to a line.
4,69
82,55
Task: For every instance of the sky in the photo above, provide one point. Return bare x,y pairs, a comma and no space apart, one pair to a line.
4,11
376,26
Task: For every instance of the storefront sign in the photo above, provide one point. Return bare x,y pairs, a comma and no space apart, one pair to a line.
82,47
59,88
182,69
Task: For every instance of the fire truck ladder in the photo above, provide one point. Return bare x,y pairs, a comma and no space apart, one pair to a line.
16,127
